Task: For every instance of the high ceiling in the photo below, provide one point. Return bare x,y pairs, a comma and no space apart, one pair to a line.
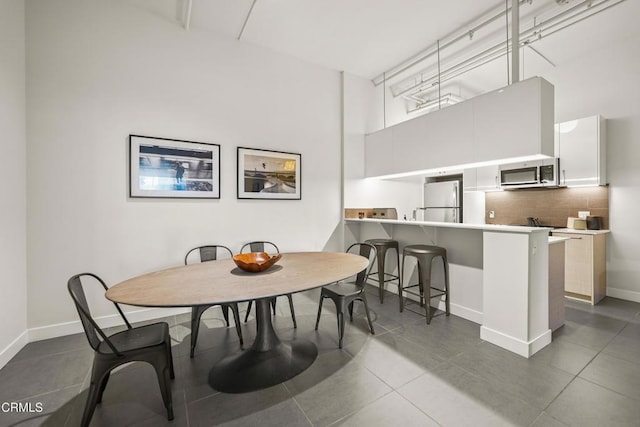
369,37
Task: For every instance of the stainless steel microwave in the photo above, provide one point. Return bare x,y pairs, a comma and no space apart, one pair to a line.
541,173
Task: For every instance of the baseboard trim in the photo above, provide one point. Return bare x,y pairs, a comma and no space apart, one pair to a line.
464,312
515,345
74,327
623,294
13,348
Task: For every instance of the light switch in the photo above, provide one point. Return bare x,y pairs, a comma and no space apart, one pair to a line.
583,214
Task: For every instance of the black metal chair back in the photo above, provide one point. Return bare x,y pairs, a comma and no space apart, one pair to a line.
369,252
149,343
259,246
94,334
208,253
344,293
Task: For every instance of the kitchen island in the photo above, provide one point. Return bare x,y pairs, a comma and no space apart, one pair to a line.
499,275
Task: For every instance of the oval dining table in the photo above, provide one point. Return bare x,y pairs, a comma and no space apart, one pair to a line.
269,361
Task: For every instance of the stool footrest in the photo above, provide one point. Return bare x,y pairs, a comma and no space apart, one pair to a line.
414,293
391,278
438,293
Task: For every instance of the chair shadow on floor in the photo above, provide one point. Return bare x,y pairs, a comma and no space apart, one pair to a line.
217,341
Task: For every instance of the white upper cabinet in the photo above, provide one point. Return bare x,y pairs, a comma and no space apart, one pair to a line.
378,154
410,146
450,136
426,142
470,179
581,146
486,178
515,121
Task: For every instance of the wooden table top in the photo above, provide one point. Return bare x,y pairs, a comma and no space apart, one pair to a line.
215,282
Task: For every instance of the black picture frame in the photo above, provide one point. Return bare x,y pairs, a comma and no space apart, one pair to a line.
173,168
269,174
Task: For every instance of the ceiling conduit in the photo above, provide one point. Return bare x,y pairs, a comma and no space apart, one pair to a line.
423,82
464,32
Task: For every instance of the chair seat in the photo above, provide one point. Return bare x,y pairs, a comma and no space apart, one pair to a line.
343,289
137,338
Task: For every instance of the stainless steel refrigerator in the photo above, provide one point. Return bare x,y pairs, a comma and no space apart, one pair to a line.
441,202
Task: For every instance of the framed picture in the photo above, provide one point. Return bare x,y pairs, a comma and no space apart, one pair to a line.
265,174
161,167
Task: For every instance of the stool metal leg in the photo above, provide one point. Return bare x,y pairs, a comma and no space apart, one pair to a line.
446,283
400,291
399,278
426,286
381,260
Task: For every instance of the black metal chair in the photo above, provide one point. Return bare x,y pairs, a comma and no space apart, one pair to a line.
149,343
210,253
344,294
259,246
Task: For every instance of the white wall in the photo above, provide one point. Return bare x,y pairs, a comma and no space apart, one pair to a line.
98,71
362,115
606,82
13,255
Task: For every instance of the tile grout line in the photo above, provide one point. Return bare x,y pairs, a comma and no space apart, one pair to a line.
585,367
297,403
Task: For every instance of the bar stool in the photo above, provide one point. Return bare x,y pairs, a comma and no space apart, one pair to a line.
382,246
424,254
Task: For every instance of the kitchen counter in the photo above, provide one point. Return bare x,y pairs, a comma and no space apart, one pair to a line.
499,274
484,227
557,239
588,232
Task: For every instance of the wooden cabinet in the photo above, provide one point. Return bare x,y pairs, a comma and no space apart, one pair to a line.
585,266
556,284
516,121
581,147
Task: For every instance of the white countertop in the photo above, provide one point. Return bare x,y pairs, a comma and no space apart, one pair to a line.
572,231
484,227
557,239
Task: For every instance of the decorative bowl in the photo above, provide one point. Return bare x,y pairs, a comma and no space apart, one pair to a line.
255,262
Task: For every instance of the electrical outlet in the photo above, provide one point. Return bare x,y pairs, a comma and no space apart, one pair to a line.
583,214
492,214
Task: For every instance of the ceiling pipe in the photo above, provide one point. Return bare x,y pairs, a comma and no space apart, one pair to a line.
499,48
527,37
436,102
515,41
548,33
466,31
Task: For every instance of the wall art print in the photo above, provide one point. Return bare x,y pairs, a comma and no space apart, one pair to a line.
162,167
267,174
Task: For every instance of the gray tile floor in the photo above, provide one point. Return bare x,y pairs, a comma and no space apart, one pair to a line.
408,373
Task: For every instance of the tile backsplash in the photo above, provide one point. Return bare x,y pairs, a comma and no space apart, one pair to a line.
551,206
